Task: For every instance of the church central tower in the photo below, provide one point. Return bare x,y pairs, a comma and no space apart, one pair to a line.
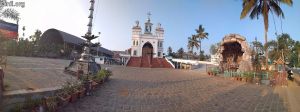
148,25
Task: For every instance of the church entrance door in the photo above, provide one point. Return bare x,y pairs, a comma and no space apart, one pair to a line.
147,50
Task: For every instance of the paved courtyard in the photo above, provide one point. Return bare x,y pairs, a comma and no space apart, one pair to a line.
169,90
34,73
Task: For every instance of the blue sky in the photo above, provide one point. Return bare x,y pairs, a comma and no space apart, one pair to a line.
115,18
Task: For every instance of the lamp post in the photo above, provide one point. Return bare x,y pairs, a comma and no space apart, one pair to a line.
86,65
99,45
86,56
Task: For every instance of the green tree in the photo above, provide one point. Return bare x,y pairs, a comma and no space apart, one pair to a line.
170,51
192,42
297,53
201,34
202,56
256,54
283,46
180,52
35,38
213,49
258,47
255,8
195,55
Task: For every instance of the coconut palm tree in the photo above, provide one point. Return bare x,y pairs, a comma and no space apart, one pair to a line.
170,51
255,8
193,42
201,34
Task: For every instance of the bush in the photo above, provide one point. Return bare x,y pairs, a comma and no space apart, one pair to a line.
103,73
214,70
248,74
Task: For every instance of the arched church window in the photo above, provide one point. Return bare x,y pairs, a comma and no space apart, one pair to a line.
134,43
137,43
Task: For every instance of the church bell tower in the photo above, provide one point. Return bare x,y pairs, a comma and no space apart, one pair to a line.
148,25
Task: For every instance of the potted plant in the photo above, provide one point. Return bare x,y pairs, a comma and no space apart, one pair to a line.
73,91
244,76
36,105
17,108
81,90
239,77
102,76
215,71
250,77
27,105
257,78
63,95
51,103
99,77
209,71
105,74
63,99
94,85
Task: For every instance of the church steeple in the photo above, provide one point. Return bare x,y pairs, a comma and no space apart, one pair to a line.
148,25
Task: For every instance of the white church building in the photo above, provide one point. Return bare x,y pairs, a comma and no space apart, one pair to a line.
147,46
147,42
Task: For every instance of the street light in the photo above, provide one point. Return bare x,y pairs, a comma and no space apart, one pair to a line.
99,44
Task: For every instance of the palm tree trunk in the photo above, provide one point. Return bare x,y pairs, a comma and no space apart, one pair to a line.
192,53
200,50
266,52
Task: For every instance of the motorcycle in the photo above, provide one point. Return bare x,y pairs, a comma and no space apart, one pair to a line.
290,75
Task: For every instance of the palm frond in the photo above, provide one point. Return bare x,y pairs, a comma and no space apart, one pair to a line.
276,9
256,11
288,2
247,7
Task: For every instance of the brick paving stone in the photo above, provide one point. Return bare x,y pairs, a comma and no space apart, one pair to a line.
35,73
169,90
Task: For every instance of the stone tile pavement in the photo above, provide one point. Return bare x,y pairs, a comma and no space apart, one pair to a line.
169,90
34,73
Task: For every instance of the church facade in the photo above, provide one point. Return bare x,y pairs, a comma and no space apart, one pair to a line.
147,46
148,42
